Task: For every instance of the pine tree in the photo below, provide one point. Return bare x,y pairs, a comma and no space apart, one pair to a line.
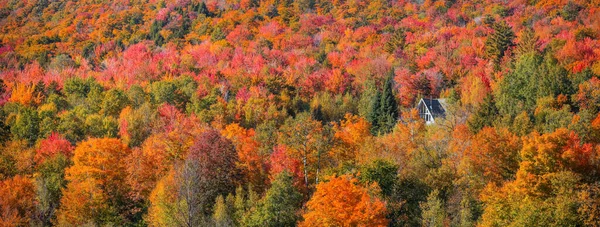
373,116
499,41
484,115
221,213
466,213
384,109
396,41
528,42
389,107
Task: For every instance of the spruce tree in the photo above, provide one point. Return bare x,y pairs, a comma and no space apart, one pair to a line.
373,116
499,41
485,114
221,213
528,42
434,213
388,107
384,109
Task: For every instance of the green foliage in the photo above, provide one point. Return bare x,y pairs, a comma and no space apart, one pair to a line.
534,77
280,205
26,125
50,180
397,40
136,96
384,109
484,115
382,172
222,214
499,41
528,43
434,212
114,101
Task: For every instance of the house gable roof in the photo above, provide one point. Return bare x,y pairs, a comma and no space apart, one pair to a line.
435,106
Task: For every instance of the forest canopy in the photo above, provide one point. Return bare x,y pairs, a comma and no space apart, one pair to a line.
299,113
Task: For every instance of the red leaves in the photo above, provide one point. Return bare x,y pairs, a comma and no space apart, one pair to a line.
53,145
280,161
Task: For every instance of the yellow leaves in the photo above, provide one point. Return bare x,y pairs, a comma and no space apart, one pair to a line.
162,198
352,132
341,202
25,94
98,174
81,202
494,154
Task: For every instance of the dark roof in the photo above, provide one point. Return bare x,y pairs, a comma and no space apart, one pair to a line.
436,107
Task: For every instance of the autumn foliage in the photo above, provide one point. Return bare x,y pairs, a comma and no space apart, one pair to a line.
299,112
340,202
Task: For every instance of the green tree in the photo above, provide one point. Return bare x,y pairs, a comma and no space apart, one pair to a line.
534,77
389,106
222,215
397,40
114,100
384,173
280,205
528,42
484,115
433,210
384,109
50,180
375,113
499,41
26,125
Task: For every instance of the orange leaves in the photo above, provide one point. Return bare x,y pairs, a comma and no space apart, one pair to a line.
252,163
494,154
25,94
96,179
545,155
81,202
341,202
17,196
351,134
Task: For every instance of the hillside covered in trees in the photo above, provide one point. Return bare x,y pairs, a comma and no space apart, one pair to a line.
299,113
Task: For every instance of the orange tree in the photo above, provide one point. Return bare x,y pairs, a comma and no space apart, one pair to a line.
341,202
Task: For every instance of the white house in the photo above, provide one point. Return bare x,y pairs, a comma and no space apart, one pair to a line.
431,110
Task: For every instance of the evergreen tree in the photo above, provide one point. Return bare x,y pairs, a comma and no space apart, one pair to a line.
26,125
221,213
280,204
373,116
388,107
534,77
499,41
396,41
384,109
528,43
484,115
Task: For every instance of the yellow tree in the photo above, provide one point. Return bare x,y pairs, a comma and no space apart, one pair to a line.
96,191
349,134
